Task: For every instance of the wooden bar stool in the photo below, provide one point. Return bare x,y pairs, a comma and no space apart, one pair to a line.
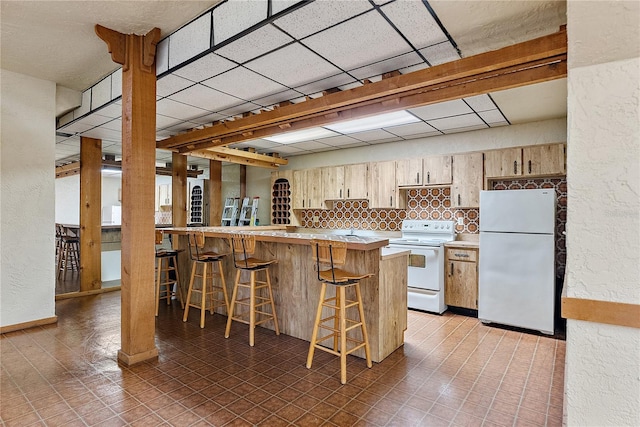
244,245
68,252
164,260
207,288
328,255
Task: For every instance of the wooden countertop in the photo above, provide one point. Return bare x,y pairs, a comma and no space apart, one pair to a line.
278,234
388,253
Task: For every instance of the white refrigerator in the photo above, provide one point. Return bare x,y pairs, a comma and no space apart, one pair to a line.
516,283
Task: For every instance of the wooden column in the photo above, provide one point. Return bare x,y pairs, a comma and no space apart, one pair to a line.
179,190
90,214
137,56
215,192
243,182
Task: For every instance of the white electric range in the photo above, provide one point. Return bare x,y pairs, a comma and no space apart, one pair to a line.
425,239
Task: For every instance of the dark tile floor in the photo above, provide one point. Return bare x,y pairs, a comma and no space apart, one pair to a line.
452,371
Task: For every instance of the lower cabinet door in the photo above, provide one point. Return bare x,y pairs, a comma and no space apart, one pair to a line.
461,289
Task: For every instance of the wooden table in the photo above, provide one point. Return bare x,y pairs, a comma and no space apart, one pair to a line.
296,287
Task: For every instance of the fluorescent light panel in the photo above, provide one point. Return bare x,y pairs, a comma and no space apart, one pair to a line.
300,135
396,118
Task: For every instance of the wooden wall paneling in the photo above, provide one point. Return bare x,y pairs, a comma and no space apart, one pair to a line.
215,193
137,56
90,214
179,190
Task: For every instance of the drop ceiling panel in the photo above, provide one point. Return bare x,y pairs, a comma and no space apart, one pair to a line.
239,109
443,109
544,101
233,17
286,149
94,120
259,143
387,65
113,125
244,84
111,110
206,119
338,141
178,110
385,140
171,84
164,122
76,127
190,40
456,122
204,98
162,56
101,93
492,117
312,146
293,65
480,103
277,97
440,53
319,15
411,129
464,129
116,84
254,44
372,135
104,134
85,106
413,20
205,68
324,84
360,41
280,5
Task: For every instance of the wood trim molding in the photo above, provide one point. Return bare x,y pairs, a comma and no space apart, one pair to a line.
87,293
607,312
30,324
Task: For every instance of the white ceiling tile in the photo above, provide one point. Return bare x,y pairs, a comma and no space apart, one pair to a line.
413,20
413,68
65,119
116,84
244,83
277,97
260,143
455,122
60,139
355,144
465,129
422,135
190,40
204,97
170,84
254,44
442,109
207,119
94,120
113,125
205,68
338,141
302,66
164,155
285,149
178,110
351,44
319,15
162,56
498,124
85,107
71,143
111,110
385,140
113,149
280,5
239,109
101,93
180,127
104,134
381,2
480,103
235,16
324,84
312,146
372,135
391,64
411,129
350,86
492,116
76,127
163,122
440,53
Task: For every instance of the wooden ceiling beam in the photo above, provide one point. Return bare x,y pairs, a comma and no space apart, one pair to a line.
240,157
73,168
545,49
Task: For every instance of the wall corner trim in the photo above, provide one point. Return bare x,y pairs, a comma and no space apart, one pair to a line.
30,324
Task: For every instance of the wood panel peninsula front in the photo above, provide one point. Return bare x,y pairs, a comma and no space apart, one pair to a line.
295,283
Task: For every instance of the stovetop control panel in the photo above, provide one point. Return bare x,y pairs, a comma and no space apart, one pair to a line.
427,226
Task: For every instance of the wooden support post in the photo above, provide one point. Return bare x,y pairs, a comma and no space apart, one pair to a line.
90,214
137,56
179,190
215,193
243,182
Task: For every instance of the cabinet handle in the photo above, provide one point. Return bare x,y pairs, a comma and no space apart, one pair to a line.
459,200
515,167
341,193
462,255
303,203
309,202
451,270
417,177
428,177
529,166
348,193
390,200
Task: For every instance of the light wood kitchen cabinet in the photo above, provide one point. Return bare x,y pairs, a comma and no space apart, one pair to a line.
467,180
544,159
436,170
307,193
409,172
356,181
382,186
333,183
461,286
502,163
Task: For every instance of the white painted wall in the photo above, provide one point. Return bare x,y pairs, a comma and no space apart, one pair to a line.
544,132
27,160
602,378
67,201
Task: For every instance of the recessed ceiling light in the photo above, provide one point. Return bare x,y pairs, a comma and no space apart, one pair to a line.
374,122
300,135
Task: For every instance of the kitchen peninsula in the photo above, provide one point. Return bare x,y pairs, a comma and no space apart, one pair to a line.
295,283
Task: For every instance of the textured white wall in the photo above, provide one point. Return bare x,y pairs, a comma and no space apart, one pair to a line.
27,159
602,381
67,200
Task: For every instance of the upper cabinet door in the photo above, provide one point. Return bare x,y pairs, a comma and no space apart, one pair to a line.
356,181
505,162
382,186
315,194
333,183
467,180
299,190
545,159
436,170
409,172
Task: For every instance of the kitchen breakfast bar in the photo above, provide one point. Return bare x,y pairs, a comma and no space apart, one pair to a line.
295,283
